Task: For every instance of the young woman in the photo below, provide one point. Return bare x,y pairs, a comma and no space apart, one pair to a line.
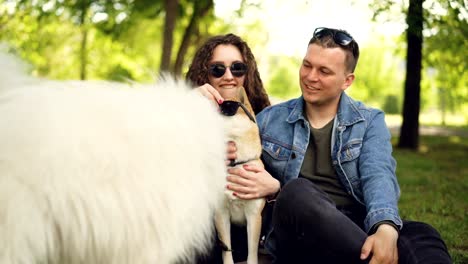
220,66
224,63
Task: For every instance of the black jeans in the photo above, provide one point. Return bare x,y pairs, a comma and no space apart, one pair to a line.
309,228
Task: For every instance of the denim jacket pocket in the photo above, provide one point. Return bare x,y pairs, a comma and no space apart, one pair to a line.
276,151
350,151
276,156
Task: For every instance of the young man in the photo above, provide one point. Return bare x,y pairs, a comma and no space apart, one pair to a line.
333,158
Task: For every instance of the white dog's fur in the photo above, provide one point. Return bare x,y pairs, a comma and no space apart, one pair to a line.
96,172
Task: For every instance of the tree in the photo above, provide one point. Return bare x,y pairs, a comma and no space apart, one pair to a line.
82,10
409,132
171,7
444,27
200,10
126,39
84,14
446,49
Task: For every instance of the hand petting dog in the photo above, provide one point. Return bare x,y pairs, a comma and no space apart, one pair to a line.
250,181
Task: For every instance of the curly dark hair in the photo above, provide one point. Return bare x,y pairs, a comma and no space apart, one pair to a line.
198,70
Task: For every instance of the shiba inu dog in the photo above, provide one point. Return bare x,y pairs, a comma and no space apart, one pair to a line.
90,172
241,128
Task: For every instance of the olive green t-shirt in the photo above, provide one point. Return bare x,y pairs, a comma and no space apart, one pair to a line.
317,165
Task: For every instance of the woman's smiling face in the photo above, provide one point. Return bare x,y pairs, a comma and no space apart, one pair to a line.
228,84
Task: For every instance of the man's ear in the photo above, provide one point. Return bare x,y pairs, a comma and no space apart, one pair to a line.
348,81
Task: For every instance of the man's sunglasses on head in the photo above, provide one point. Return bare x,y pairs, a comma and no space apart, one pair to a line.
217,70
340,37
229,108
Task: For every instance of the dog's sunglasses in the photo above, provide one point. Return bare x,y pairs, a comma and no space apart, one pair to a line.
229,108
217,70
340,37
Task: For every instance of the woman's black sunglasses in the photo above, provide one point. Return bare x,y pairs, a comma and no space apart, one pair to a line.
229,108
340,37
238,69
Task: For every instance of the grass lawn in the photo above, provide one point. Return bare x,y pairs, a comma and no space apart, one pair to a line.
434,188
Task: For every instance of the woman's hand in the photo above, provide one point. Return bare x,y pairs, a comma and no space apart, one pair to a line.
251,182
211,93
231,152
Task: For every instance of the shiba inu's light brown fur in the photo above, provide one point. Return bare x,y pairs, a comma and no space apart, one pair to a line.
244,132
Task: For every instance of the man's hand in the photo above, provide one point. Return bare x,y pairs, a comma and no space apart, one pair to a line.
382,245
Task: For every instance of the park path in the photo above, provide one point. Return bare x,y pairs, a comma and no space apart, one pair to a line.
433,131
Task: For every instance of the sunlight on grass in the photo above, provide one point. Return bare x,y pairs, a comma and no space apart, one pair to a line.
454,139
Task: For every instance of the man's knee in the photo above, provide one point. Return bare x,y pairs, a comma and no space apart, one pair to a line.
420,230
422,243
421,236
300,195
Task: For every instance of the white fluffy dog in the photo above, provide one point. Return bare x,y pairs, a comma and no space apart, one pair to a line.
105,173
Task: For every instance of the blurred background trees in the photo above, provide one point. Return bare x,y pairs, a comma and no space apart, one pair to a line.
442,26
124,40
101,39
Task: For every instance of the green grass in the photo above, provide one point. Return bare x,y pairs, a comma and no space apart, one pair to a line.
434,189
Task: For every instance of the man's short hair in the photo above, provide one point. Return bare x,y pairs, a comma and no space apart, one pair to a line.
332,38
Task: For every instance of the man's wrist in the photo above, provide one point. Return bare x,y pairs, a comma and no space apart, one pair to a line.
387,222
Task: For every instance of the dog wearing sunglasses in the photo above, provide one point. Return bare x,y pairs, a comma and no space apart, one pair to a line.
241,128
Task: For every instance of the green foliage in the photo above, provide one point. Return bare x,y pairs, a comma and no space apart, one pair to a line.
378,74
391,105
38,42
141,44
446,48
445,51
124,37
283,79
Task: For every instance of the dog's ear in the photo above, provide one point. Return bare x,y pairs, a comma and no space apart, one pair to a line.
242,95
244,99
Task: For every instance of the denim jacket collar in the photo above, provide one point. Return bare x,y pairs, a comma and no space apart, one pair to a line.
348,112
298,111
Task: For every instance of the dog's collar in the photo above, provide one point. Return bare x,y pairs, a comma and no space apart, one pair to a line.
233,163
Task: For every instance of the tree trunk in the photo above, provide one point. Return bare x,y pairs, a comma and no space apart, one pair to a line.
84,41
409,133
83,53
170,7
200,9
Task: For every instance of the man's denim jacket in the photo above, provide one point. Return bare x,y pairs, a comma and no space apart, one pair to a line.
361,154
